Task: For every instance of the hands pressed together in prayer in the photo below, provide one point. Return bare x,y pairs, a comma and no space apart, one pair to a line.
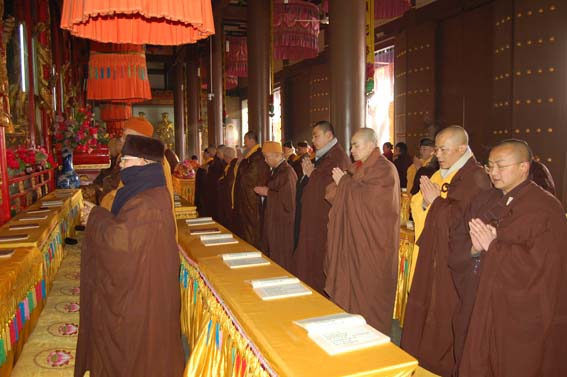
481,234
429,190
338,174
261,190
307,167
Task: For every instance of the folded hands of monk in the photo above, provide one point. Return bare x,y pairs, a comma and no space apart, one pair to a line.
429,190
337,175
481,234
307,166
261,190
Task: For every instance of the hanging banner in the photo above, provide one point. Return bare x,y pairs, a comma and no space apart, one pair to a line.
370,32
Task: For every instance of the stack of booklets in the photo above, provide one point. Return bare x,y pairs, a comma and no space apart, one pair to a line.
51,203
201,231
186,212
279,287
64,193
34,211
340,333
244,259
15,237
218,239
24,226
200,221
6,253
33,218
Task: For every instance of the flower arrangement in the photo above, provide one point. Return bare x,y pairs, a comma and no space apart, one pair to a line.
80,132
184,170
24,159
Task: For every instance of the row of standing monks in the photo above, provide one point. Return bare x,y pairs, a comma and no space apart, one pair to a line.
491,265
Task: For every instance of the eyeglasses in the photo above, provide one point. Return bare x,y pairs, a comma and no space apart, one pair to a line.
441,150
490,167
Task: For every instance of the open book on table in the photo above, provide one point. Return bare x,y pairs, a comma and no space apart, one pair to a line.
218,239
201,231
25,226
343,332
244,259
15,237
279,287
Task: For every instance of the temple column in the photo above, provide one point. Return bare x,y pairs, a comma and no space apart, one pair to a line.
348,66
216,134
193,93
179,106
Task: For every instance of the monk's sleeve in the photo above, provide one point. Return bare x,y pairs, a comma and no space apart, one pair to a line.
108,230
331,192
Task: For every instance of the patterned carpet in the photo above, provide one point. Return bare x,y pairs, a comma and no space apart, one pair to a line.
50,350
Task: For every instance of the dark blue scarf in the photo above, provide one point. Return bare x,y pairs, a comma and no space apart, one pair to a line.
137,179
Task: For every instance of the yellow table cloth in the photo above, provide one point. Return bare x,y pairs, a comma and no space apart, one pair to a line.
233,332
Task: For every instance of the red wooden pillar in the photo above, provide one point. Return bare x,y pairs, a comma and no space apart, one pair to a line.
5,203
29,22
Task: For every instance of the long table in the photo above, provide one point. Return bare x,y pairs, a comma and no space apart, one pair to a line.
27,276
232,332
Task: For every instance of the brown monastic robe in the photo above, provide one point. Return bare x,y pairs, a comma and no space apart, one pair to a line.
225,210
518,326
214,172
363,240
312,222
279,214
296,164
427,333
130,296
539,173
252,171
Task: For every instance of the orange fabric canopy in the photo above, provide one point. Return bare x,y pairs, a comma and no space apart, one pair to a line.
159,22
118,73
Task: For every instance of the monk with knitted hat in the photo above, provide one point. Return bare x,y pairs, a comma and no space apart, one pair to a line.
279,205
140,127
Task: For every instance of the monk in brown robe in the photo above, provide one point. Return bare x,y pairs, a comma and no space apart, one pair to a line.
215,170
226,182
518,327
364,232
302,152
279,206
252,171
539,173
432,301
313,209
130,296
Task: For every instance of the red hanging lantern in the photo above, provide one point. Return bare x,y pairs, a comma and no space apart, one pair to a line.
167,22
231,82
296,29
237,57
118,73
114,115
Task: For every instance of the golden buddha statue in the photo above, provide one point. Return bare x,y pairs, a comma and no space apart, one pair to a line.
165,131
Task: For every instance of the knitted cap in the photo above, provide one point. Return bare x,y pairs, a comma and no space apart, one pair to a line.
140,125
272,147
143,147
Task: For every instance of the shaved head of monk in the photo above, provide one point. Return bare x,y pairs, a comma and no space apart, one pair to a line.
451,143
363,142
509,164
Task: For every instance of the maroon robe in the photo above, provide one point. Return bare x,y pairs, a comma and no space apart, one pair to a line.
279,215
130,296
214,172
312,223
363,240
427,332
539,173
519,323
252,171
225,210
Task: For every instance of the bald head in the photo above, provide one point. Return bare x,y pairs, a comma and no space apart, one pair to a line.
451,144
517,148
228,153
368,135
363,143
456,134
509,164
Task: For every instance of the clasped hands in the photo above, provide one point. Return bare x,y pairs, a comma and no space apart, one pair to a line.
481,234
261,190
429,190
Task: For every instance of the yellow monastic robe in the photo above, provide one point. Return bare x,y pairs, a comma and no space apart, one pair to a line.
419,214
108,199
412,171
